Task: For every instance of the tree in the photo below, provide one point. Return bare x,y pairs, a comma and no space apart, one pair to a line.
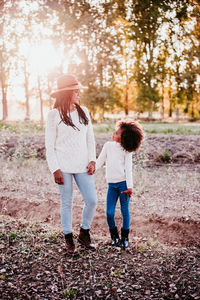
146,20
7,50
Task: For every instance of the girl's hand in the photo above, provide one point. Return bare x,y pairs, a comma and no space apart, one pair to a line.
58,177
128,192
91,167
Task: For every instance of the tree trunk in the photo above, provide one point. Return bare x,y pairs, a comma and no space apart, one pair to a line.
163,104
170,110
26,85
41,102
192,110
100,71
5,104
170,98
126,107
3,88
126,110
150,113
50,102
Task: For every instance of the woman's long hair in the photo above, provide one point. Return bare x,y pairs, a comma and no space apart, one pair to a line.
63,101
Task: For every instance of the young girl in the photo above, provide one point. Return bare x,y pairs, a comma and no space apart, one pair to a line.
118,157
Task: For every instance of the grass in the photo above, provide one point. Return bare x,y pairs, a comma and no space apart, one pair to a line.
30,127
172,128
156,128
21,127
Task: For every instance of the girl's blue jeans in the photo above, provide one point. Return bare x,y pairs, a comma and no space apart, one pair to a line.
86,186
114,192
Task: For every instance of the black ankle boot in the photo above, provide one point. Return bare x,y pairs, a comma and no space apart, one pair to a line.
124,239
115,237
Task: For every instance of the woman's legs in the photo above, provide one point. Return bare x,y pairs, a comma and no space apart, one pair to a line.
86,186
66,195
112,196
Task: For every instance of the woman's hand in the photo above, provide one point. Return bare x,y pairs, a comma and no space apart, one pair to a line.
128,192
91,167
58,177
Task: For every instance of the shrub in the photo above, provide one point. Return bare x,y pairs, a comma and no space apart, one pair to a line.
166,157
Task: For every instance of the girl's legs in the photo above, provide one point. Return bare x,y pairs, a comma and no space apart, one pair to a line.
112,196
66,194
124,204
86,186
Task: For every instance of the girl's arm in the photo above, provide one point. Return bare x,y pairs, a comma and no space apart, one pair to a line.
128,170
50,139
129,176
102,157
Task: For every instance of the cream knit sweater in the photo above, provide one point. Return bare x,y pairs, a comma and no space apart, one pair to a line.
66,148
118,163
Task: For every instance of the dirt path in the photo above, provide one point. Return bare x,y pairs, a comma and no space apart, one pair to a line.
165,209
148,225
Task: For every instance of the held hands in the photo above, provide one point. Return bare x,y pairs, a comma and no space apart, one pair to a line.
91,167
128,193
58,177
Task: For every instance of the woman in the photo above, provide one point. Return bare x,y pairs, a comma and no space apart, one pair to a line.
70,152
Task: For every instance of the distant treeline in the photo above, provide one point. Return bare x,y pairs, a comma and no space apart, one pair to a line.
132,55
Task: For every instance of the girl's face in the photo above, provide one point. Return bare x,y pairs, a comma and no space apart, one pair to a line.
75,97
117,135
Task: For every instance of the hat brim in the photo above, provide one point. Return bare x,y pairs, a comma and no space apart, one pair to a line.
75,87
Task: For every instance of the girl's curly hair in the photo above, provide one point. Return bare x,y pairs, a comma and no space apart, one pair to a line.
132,134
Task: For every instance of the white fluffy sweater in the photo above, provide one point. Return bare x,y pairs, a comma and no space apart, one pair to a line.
66,148
118,163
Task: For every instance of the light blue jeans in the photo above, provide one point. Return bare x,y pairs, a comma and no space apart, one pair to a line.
86,186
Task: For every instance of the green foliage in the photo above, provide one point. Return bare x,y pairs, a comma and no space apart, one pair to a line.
118,272
142,248
103,128
70,293
171,128
154,128
13,235
166,157
52,238
101,99
106,36
21,127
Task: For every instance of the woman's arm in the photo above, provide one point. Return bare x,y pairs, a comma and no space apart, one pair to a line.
50,139
91,167
91,141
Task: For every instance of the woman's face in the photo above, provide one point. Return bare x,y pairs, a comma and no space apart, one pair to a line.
75,97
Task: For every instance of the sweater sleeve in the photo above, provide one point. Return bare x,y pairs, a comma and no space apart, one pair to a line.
128,170
102,157
90,140
50,139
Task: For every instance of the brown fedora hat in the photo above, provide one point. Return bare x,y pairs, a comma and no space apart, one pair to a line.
67,83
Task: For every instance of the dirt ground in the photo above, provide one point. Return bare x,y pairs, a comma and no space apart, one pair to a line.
165,209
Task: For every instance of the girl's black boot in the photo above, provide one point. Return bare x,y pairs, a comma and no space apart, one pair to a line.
124,238
115,237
